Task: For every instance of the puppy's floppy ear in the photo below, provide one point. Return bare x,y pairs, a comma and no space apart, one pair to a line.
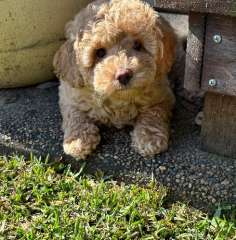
167,53
65,65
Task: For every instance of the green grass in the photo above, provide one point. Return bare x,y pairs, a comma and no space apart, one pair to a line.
37,202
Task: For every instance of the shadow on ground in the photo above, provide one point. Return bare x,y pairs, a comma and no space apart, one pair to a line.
30,122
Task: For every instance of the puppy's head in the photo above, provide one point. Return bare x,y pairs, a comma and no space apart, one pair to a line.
123,47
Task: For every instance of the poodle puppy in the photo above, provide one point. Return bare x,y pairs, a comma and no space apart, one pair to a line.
113,70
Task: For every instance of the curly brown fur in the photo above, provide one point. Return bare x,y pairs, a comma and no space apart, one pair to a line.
113,70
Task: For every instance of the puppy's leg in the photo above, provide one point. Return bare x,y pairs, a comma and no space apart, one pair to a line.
81,135
151,131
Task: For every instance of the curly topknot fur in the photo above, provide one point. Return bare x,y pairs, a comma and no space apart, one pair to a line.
113,70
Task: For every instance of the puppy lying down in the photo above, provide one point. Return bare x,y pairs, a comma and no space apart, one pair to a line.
113,70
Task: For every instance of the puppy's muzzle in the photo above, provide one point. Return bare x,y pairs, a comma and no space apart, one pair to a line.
124,76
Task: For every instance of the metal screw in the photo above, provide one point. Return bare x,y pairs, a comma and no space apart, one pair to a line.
212,83
217,38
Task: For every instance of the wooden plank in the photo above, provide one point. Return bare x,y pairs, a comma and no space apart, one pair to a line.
220,58
223,7
194,52
219,128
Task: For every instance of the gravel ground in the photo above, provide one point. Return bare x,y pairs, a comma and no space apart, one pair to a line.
30,122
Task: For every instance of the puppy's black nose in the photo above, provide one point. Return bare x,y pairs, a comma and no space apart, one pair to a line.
124,76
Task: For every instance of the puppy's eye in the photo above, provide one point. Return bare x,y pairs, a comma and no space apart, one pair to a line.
101,53
138,46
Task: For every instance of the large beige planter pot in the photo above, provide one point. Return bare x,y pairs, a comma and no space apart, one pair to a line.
30,33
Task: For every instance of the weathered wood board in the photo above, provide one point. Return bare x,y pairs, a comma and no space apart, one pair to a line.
219,125
194,52
223,7
220,58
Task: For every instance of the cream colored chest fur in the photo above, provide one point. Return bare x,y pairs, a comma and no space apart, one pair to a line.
111,111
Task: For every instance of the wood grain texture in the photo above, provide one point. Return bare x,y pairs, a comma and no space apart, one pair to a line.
220,59
223,7
194,53
219,128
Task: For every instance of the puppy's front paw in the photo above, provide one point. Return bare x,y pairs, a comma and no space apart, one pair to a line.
149,142
81,147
